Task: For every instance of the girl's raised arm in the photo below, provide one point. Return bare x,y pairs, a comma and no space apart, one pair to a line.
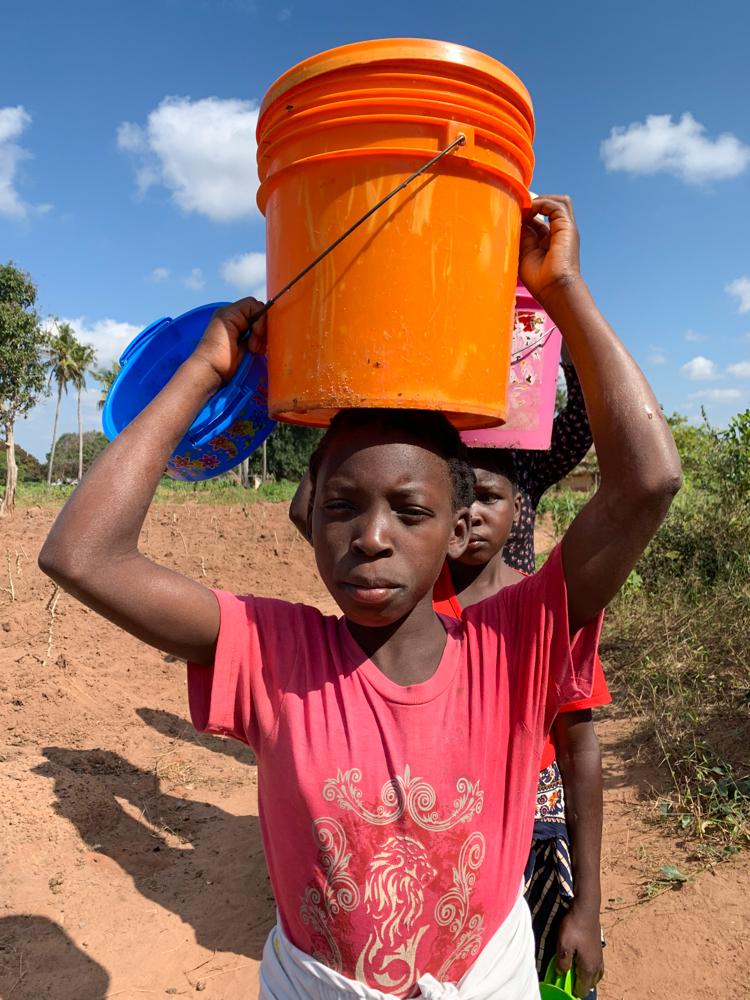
92,549
638,460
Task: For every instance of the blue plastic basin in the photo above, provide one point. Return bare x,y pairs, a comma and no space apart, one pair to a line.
228,429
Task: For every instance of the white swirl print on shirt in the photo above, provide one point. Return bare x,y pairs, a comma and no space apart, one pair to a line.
452,908
395,879
339,891
394,897
413,796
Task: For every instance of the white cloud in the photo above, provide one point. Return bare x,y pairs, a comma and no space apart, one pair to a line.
717,395
202,151
700,369
657,355
159,274
661,146
285,13
247,272
194,280
741,288
739,370
696,338
13,122
109,337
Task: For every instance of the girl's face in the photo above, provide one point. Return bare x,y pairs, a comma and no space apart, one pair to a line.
495,510
382,524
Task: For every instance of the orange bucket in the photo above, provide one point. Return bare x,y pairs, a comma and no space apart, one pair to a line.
415,308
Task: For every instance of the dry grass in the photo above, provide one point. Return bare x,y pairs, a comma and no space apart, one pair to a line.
679,658
676,649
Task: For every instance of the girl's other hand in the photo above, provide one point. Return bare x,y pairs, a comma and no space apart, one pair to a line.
580,941
221,348
549,259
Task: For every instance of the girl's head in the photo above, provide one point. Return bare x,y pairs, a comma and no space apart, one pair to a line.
391,492
496,506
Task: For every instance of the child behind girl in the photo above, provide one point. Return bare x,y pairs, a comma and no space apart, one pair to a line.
564,924
398,750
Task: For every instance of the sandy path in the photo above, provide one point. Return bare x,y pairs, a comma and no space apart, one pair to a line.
131,862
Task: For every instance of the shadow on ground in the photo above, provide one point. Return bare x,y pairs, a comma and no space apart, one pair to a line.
38,960
170,725
216,880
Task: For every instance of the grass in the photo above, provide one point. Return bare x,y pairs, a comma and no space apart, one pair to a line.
562,506
681,666
169,491
676,651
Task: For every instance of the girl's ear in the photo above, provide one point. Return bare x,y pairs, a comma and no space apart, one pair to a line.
460,534
309,520
516,507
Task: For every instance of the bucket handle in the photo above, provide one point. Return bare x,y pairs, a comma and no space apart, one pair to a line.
562,980
458,141
517,355
142,337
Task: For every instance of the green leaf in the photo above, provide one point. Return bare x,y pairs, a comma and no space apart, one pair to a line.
672,873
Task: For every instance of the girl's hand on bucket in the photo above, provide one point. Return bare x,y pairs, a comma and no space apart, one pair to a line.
579,941
220,346
549,255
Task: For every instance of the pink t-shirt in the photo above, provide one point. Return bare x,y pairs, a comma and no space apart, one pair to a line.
396,821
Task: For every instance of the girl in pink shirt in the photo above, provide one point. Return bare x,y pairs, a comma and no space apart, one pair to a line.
398,750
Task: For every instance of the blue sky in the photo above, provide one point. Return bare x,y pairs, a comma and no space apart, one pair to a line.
127,160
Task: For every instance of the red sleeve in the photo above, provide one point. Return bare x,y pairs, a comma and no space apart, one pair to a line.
552,667
599,695
220,696
261,641
444,599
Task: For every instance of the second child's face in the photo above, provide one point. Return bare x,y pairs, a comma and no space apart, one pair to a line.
494,512
382,525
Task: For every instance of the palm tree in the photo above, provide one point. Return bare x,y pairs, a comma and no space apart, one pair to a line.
63,368
106,376
84,356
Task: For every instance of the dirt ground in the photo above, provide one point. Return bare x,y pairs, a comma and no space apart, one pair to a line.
130,860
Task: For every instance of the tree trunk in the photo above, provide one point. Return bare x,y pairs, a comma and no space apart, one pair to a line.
246,473
8,503
54,434
264,475
80,440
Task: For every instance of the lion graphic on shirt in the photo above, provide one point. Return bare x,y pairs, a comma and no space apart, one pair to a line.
394,897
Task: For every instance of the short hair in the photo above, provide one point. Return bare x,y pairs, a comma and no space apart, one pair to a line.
428,428
501,461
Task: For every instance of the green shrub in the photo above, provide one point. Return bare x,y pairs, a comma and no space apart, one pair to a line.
562,506
703,543
288,450
66,453
29,468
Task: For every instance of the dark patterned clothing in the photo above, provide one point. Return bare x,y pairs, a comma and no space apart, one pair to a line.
547,902
549,818
539,470
549,870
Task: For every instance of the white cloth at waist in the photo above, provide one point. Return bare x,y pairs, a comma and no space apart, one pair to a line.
504,970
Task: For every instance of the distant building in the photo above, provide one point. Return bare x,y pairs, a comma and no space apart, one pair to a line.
585,477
